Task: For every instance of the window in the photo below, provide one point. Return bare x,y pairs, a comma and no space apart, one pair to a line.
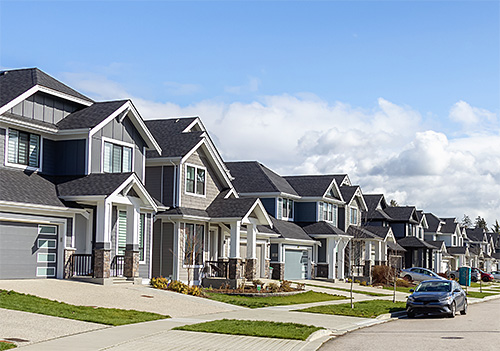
45,272
117,158
454,241
46,257
46,243
193,244
327,212
285,208
47,229
195,180
354,216
142,227
122,233
24,148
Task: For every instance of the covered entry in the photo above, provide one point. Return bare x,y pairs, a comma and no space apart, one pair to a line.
296,262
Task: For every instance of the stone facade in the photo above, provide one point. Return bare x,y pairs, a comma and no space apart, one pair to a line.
313,271
278,270
251,268
368,271
131,264
235,268
68,263
267,273
102,263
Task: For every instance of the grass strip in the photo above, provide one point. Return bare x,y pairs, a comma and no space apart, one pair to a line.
480,295
259,301
400,288
110,316
6,345
348,290
254,328
366,309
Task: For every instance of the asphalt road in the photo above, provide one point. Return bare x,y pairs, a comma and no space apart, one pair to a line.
478,330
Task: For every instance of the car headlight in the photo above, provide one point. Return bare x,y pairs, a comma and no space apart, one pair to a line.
410,298
447,299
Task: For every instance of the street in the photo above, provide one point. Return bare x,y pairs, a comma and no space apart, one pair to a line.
479,330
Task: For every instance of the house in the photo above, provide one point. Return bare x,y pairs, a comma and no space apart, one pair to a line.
72,195
203,228
482,247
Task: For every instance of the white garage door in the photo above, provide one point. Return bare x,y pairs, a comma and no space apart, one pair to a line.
296,264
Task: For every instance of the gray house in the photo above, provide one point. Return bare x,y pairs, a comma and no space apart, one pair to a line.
72,194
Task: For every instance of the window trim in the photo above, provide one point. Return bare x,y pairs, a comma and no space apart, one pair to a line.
46,253
18,165
196,167
47,240
280,201
351,210
322,212
46,275
119,143
141,217
203,249
46,225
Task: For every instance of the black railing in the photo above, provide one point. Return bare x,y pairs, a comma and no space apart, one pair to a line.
219,269
117,266
82,265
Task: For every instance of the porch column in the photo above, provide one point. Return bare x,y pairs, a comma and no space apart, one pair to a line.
251,259
367,272
378,252
341,259
385,259
279,267
331,257
234,251
131,264
102,246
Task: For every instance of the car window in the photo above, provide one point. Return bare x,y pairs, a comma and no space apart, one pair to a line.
444,286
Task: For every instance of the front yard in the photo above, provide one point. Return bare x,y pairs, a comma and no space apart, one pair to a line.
365,309
110,316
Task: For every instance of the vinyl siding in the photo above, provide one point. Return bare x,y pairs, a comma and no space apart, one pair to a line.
66,157
270,205
305,211
144,267
2,146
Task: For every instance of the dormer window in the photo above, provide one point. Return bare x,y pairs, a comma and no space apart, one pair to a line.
117,158
285,209
23,148
195,180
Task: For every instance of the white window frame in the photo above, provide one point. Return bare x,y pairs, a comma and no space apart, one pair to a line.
47,240
46,275
351,210
143,238
120,143
329,212
289,208
21,166
196,167
40,226
183,226
47,254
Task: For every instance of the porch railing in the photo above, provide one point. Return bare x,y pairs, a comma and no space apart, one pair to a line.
82,265
219,269
117,266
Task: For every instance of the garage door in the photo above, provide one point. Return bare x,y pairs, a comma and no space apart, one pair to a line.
27,250
295,264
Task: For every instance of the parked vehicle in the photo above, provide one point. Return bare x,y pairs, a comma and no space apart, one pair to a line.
484,276
496,275
437,296
419,274
475,275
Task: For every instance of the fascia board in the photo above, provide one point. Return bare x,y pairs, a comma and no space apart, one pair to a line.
163,161
133,178
185,217
83,198
28,125
143,129
108,119
19,99
197,120
333,182
64,95
20,206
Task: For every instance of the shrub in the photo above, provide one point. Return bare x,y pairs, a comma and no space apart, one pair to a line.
273,287
383,275
256,282
178,286
363,283
195,291
301,286
357,281
286,286
349,280
403,283
159,283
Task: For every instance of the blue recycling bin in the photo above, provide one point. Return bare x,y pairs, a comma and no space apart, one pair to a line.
464,274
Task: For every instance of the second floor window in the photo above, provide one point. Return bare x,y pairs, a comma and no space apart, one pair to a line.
195,180
354,216
285,208
327,212
24,148
117,158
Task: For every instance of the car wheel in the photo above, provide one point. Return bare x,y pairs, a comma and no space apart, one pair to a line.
407,278
453,310
485,279
464,311
474,279
452,276
410,314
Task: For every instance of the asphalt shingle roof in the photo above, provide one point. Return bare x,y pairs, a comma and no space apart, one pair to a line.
475,234
401,213
436,243
15,82
372,200
449,225
27,187
321,228
92,184
339,178
289,230
253,177
414,242
230,208
90,116
433,221
186,212
310,185
348,192
456,250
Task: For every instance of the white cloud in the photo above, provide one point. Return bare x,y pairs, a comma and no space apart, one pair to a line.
175,88
472,119
251,86
385,149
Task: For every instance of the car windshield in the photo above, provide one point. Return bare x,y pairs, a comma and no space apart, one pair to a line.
434,286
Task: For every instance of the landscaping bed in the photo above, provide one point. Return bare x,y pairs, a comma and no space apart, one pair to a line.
5,345
110,316
365,309
254,328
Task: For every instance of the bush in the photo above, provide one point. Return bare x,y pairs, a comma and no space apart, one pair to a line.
403,283
286,286
159,283
383,275
357,281
178,286
256,282
273,287
363,283
195,291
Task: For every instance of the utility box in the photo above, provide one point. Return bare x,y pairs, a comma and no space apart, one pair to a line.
464,276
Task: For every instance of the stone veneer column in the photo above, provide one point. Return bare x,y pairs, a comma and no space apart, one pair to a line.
251,268
278,270
102,263
68,262
266,269
368,271
313,271
131,264
234,268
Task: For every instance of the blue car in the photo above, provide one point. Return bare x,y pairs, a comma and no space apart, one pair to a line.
437,296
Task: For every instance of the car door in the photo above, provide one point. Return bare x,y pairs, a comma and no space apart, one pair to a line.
420,275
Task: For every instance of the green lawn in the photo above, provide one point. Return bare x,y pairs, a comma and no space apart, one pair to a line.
111,316
258,301
400,289
348,290
6,345
480,295
254,328
366,309
477,284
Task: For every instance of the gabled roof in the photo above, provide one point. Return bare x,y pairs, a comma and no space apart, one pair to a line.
402,213
457,250
433,222
475,234
341,179
373,201
414,242
449,226
90,116
95,184
27,187
253,177
230,208
14,83
186,211
348,192
321,228
313,185
438,244
289,230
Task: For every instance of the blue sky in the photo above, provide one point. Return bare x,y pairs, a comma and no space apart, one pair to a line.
402,95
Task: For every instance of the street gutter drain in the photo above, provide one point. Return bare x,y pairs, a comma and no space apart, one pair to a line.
148,296
452,337
16,340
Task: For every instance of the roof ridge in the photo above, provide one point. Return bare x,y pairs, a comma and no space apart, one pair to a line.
261,166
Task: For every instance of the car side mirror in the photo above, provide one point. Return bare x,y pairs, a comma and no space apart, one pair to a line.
456,290
411,290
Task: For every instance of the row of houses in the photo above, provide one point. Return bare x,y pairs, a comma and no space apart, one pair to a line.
91,190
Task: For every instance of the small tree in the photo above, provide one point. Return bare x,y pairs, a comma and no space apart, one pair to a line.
480,222
466,222
191,249
496,227
393,203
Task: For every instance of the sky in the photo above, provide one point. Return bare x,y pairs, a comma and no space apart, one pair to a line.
404,96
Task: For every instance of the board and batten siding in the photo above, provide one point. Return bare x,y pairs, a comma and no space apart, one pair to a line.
125,132
163,247
213,188
65,157
160,188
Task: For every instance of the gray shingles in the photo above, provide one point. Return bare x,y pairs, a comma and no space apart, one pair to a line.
90,116
414,242
348,192
289,230
475,234
310,185
321,228
92,184
230,208
433,221
449,226
456,250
